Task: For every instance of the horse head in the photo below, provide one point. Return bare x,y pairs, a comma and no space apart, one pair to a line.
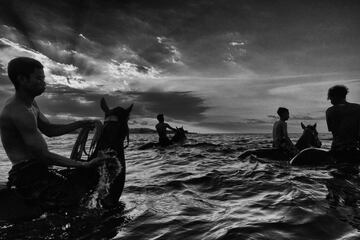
115,128
309,138
179,136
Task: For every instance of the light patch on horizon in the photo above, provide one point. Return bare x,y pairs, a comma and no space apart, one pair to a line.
68,117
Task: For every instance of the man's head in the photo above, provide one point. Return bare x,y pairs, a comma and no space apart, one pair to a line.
160,117
27,74
283,113
337,94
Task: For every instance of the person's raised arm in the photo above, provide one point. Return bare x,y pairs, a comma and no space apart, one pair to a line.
53,130
173,129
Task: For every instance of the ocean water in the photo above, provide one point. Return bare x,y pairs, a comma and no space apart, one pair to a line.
203,191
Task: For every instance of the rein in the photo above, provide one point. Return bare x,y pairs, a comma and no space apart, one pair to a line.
80,144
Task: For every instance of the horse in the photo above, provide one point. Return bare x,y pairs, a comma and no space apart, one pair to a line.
308,139
86,182
178,138
345,160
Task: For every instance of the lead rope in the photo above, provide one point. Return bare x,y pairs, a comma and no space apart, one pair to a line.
80,144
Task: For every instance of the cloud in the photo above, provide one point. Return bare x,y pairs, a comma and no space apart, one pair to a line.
176,105
210,61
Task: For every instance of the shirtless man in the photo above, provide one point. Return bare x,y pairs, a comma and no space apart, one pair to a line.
281,139
21,125
343,121
161,128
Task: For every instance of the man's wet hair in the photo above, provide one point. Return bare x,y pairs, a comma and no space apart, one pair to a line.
282,110
338,91
160,117
22,66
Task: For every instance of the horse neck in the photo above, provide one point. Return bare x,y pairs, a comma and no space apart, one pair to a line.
304,141
111,139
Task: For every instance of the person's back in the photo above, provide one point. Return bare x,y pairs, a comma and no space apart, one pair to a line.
161,129
343,120
11,138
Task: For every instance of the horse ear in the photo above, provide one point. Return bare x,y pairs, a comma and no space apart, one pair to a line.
302,125
129,108
104,105
315,125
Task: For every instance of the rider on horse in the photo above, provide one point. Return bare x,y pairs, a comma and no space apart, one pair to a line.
281,139
161,128
21,125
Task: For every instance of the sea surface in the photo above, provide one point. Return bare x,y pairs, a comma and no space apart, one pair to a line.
203,191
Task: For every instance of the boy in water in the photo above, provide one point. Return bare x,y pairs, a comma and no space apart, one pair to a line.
281,139
343,121
161,128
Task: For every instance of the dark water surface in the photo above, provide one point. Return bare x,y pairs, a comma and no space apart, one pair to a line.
202,191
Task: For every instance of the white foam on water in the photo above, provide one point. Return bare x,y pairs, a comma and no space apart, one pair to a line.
108,173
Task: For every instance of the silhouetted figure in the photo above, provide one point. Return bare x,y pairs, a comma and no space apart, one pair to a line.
343,121
161,129
281,139
21,125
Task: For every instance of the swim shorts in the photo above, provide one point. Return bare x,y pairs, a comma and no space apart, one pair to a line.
33,181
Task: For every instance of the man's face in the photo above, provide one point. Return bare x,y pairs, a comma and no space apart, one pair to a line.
286,115
35,83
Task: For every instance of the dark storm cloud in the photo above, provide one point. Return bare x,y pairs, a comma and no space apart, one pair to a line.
62,100
119,44
278,35
176,105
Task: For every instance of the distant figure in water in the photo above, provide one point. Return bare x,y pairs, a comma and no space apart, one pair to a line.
281,139
161,128
21,125
343,121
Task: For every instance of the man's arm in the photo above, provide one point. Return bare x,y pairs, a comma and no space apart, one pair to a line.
168,126
329,120
53,130
26,124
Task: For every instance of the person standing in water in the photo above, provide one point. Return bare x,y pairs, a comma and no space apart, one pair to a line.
161,129
343,121
281,139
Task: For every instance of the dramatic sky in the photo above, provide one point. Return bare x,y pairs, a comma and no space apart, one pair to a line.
208,65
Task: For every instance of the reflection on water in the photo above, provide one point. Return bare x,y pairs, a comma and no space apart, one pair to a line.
202,191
